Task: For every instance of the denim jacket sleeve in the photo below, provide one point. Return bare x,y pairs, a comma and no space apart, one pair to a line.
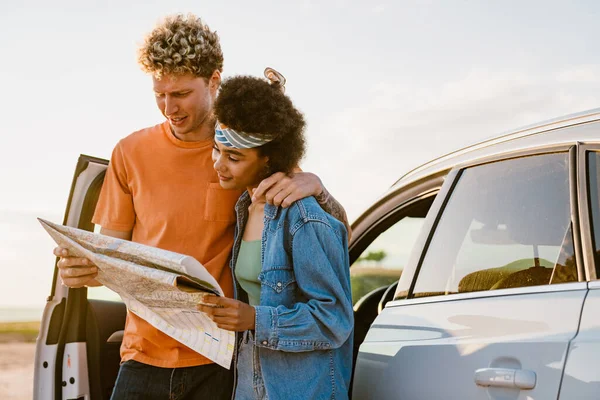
325,321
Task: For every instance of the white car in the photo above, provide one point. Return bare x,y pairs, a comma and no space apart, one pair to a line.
499,297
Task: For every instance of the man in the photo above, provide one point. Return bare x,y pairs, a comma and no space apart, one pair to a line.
161,190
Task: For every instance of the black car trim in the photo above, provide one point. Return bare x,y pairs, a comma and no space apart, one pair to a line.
590,253
575,220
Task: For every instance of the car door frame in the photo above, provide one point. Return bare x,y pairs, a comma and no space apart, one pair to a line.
377,219
409,276
585,214
389,210
64,318
583,347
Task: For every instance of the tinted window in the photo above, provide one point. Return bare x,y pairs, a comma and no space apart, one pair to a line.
506,225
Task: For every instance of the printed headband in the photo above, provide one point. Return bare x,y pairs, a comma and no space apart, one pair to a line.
238,140
242,140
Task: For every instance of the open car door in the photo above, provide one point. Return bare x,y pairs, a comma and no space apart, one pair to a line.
77,350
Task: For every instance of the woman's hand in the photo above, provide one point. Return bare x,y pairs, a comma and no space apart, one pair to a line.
229,314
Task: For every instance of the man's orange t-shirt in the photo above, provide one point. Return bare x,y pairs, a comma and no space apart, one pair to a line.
167,193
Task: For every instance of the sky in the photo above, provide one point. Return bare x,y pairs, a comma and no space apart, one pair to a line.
385,86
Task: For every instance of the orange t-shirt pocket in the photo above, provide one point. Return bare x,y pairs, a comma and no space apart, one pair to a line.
220,203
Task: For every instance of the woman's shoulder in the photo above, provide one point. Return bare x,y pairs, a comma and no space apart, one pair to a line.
306,209
309,211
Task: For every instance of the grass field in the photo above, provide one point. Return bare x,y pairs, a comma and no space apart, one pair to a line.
366,278
19,331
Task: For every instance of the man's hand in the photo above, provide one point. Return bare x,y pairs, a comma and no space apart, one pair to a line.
282,190
229,314
75,272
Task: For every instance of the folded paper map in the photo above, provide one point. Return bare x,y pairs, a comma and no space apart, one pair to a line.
160,286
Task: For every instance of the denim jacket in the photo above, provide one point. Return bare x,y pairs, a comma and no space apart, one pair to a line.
304,323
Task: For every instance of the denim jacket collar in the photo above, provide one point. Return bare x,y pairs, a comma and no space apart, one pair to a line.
241,208
271,211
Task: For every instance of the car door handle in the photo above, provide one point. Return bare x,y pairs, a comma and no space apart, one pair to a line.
505,378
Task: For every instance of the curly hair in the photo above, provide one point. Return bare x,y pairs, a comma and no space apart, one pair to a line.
180,45
254,106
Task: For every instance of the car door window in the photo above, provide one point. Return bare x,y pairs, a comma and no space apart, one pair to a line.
506,225
382,262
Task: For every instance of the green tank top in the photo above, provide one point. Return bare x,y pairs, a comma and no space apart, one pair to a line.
247,268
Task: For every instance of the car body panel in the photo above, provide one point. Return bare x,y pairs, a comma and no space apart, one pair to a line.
431,350
582,376
75,371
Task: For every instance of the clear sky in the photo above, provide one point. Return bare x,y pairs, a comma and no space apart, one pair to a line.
385,86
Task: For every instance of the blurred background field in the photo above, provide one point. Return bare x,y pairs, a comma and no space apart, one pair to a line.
21,332
367,278
17,351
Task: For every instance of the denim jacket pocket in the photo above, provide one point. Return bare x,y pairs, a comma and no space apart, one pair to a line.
278,278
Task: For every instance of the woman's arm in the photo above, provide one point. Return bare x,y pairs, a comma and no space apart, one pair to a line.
325,321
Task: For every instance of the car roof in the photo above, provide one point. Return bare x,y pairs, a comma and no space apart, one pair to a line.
514,140
468,153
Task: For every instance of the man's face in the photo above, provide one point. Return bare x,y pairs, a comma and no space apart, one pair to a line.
186,102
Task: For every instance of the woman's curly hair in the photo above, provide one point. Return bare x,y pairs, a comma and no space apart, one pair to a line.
181,44
254,106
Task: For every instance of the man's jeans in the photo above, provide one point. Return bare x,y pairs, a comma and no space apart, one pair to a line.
137,381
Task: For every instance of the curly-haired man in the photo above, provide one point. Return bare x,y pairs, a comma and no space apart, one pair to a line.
161,189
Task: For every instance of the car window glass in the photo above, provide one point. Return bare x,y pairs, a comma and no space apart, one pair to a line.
506,225
382,262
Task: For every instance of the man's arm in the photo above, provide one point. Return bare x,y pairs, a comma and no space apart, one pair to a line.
78,272
331,206
282,190
116,234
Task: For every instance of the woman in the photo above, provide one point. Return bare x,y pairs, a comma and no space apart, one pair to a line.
290,264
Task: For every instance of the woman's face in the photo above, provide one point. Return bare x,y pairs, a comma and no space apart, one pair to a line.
238,168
